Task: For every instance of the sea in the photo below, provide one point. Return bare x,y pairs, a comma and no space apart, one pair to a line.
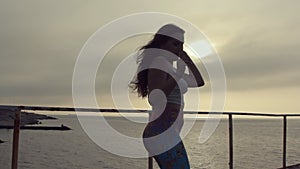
258,144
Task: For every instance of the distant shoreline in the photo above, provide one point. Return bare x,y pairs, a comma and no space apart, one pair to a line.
29,121
27,118
37,127
7,119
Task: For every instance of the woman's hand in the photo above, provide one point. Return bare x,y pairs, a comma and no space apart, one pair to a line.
181,66
194,78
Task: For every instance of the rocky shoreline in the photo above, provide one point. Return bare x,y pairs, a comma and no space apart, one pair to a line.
7,119
27,118
28,121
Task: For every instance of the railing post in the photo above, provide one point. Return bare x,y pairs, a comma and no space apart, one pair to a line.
15,148
284,142
150,162
230,141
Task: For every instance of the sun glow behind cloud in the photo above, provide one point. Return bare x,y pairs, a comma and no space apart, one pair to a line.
199,49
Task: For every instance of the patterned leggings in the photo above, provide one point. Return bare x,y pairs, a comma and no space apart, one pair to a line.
160,147
175,158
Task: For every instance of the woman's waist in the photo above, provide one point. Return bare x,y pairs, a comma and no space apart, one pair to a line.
158,99
175,97
167,114
167,107
171,118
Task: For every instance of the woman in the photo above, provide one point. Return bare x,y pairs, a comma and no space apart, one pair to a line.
164,86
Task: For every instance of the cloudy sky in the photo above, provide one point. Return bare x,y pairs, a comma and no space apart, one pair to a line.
257,41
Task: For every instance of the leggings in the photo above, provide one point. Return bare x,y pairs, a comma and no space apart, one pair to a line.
175,158
165,146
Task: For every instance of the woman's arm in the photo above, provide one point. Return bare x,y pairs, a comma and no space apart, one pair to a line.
158,79
194,78
161,75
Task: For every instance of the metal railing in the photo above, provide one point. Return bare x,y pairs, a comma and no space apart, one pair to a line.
17,110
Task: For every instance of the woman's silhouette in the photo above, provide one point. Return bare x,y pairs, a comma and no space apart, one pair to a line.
164,86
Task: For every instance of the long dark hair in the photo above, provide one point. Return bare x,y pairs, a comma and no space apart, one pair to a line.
164,34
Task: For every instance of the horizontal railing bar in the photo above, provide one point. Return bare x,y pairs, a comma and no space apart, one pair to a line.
258,114
43,108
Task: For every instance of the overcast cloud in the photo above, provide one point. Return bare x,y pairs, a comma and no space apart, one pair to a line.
258,42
